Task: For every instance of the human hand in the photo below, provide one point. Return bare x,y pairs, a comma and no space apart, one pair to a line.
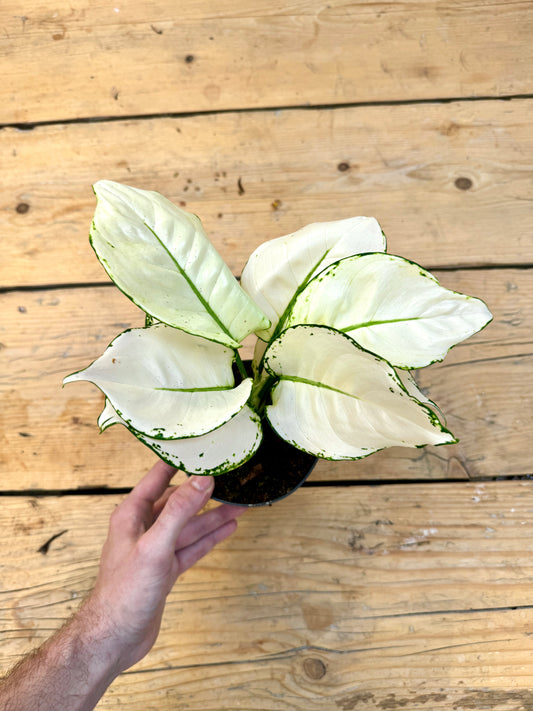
154,535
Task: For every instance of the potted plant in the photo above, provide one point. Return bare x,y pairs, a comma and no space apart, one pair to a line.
339,325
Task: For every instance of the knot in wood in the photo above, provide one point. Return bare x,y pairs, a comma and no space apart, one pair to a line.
314,668
463,183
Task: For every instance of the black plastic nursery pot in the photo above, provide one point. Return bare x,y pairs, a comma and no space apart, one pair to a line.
276,470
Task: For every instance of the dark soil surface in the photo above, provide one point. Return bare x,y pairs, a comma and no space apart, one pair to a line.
275,470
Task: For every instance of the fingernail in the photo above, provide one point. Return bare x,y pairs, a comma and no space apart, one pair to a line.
201,483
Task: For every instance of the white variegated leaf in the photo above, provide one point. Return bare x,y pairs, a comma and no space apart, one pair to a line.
213,453
168,384
408,381
280,268
337,401
108,417
161,258
391,307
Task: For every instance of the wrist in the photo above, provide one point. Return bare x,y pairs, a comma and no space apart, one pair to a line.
85,644
96,636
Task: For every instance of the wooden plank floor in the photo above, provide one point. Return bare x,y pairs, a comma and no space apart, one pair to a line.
358,599
402,581
101,59
445,180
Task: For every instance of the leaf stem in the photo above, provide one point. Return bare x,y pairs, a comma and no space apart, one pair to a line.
285,315
240,365
260,390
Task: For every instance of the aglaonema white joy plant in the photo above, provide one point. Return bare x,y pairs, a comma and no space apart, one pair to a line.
339,322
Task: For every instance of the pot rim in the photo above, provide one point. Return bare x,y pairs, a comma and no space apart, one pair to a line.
271,501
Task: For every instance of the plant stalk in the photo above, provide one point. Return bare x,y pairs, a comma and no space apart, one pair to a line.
260,390
240,365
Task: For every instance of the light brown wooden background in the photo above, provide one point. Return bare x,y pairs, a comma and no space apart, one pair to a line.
400,581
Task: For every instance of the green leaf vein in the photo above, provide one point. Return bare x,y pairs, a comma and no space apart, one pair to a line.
192,285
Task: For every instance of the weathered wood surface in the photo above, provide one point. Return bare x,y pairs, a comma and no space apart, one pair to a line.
372,598
112,59
450,183
49,438
397,596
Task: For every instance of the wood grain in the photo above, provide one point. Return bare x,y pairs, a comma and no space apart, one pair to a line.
363,597
100,59
445,181
261,118
49,438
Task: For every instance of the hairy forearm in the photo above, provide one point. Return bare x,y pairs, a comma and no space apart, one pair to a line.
70,671
154,535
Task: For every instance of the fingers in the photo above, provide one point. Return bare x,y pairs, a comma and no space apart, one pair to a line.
184,503
153,484
135,514
205,523
160,503
190,555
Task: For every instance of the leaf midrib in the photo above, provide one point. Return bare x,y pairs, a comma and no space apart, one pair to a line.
369,324
193,286
317,384
305,381
281,323
196,390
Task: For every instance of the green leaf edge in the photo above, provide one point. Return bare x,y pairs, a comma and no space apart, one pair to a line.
424,273
128,423
232,344
215,471
431,415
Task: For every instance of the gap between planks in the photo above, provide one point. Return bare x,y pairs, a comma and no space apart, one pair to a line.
449,269
31,125
333,483
399,161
